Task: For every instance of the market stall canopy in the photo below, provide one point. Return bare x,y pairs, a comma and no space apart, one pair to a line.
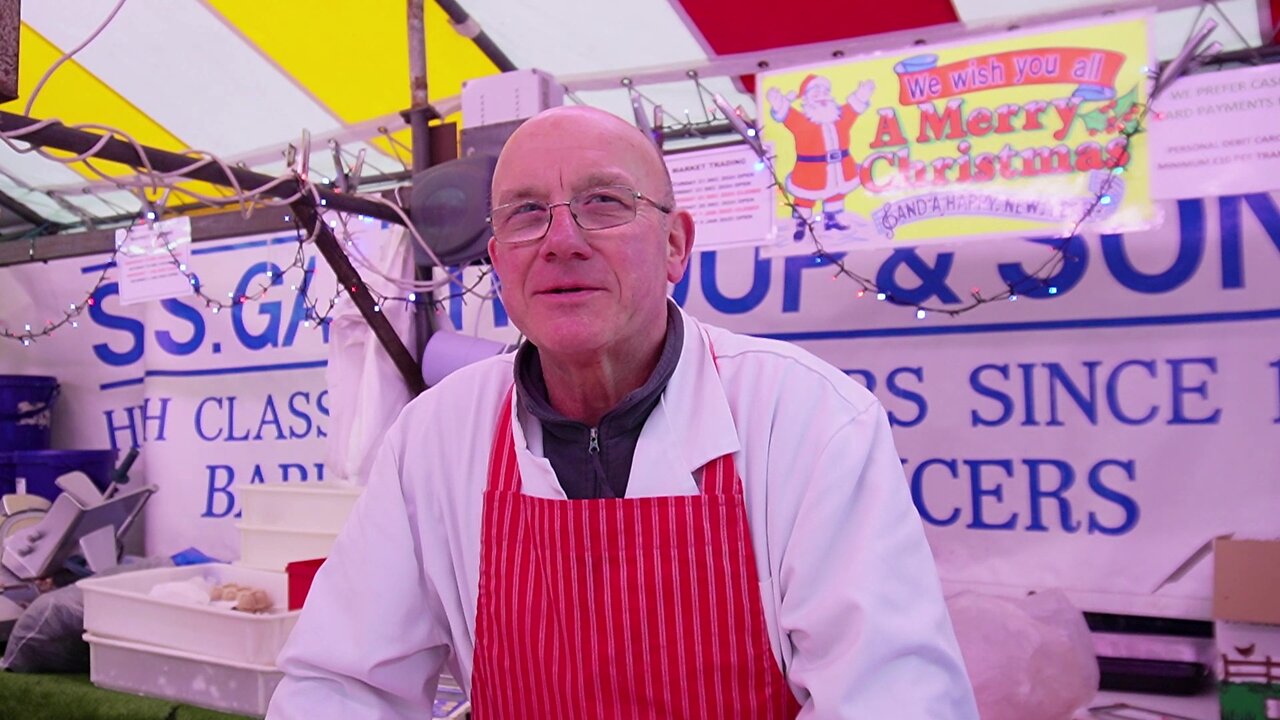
242,80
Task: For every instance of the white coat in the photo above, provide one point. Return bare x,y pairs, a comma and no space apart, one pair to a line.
850,592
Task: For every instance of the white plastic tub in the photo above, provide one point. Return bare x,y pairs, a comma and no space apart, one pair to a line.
314,507
118,607
269,548
190,678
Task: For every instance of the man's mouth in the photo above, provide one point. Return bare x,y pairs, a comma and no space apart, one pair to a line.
568,290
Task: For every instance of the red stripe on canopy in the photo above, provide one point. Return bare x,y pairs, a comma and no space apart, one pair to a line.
738,26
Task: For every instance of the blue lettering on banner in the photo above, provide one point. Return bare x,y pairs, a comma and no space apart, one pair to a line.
1075,259
324,411
1028,395
980,492
1113,393
1124,502
220,501
299,414
129,424
791,269
277,331
182,311
895,390
1006,402
1038,493
257,478
915,398
1050,484
933,278
1276,365
1075,263
300,312
746,302
220,496
1190,251
269,336
1088,403
270,418
216,419
285,469
1264,209
153,424
917,491
134,328
457,298
1054,380
866,377
199,418
231,423
1202,389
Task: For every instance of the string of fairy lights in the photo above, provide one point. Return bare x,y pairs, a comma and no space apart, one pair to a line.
318,311
1041,278
148,182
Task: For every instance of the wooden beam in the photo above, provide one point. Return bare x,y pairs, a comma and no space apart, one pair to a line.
215,226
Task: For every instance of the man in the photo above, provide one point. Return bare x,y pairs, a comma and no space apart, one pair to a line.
824,171
637,515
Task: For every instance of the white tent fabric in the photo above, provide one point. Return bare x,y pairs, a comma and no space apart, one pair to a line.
243,82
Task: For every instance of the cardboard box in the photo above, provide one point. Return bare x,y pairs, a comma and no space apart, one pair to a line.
1246,611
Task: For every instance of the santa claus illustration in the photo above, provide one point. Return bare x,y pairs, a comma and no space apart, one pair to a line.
824,171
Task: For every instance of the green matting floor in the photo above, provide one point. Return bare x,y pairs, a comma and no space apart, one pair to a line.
73,697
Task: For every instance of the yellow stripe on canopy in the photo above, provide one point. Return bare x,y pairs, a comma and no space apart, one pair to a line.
74,95
353,56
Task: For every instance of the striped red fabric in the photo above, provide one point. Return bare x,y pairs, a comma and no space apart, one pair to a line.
727,27
635,609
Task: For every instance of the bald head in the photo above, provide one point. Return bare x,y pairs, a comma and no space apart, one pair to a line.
589,132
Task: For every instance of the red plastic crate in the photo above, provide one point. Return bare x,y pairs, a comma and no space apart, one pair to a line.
301,573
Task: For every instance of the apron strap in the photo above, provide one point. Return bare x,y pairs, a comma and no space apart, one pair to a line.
719,477
504,474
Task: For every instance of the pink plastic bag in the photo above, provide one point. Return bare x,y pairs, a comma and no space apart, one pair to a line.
1029,659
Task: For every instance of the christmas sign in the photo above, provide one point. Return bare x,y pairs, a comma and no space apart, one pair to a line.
1029,133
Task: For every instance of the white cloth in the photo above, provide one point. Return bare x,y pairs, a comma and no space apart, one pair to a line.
852,599
366,390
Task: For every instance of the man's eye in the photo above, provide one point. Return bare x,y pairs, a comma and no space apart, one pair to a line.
604,197
528,207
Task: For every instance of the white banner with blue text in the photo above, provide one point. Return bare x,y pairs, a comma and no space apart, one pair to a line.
214,399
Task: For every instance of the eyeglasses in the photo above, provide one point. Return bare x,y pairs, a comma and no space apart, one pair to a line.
595,209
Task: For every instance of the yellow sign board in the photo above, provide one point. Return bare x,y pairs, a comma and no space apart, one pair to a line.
1033,134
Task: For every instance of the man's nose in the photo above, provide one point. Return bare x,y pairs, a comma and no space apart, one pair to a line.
564,235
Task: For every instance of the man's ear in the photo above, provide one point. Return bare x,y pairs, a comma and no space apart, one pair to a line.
492,245
679,244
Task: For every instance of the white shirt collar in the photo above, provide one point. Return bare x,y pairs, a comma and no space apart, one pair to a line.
690,426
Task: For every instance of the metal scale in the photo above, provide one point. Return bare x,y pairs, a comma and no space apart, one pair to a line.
37,536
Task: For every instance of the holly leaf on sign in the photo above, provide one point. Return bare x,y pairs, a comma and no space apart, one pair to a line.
1094,120
1126,101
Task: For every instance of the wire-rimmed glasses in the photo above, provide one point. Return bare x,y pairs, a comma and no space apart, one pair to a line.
599,208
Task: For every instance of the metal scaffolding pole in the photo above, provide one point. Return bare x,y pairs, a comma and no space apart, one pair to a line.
61,137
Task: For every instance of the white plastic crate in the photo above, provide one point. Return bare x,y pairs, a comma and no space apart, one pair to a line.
315,507
190,678
269,548
119,607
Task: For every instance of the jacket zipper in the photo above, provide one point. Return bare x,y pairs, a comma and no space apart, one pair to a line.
594,447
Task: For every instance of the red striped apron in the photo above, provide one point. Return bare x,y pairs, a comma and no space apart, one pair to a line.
638,609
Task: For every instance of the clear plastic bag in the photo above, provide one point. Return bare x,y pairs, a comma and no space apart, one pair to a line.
1029,658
